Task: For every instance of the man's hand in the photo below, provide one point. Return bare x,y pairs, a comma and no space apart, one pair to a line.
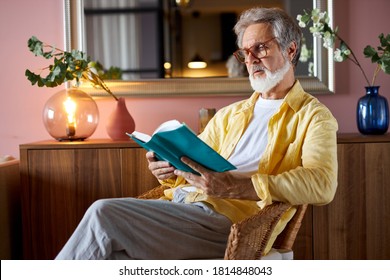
162,170
218,184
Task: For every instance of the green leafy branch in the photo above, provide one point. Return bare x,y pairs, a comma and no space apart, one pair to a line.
380,56
320,28
67,66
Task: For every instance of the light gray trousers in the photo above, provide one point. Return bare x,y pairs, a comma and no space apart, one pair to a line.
129,228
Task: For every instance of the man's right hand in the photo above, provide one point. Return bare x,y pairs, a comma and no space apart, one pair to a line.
162,170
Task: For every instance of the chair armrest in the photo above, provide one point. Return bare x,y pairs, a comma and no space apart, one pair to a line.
248,238
286,238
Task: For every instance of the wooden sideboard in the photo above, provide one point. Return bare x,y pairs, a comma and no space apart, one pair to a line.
61,179
355,225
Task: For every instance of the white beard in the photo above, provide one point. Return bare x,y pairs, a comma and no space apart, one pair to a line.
272,79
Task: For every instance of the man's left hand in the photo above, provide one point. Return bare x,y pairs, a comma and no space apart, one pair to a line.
218,184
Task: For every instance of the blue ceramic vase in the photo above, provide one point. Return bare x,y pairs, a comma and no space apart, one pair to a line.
372,112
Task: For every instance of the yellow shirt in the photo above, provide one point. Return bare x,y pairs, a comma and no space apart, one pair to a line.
299,164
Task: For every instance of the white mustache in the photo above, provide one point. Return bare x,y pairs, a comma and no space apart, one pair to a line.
257,68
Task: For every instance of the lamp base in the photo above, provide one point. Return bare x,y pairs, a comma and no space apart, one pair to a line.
70,139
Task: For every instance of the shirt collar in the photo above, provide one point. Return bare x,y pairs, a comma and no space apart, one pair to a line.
293,98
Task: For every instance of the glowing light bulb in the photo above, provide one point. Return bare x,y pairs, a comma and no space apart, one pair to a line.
197,62
183,3
70,109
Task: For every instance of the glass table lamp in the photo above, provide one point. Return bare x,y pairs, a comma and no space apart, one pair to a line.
70,115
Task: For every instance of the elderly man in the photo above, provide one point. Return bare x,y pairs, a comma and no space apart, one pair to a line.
282,141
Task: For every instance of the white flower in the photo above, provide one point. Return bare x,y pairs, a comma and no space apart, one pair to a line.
311,68
315,16
323,17
321,28
301,23
317,29
327,43
338,56
315,19
315,12
305,53
328,39
328,35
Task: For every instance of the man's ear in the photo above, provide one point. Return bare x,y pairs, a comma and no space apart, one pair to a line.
292,50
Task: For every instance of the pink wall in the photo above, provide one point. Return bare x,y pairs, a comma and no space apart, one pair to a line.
21,104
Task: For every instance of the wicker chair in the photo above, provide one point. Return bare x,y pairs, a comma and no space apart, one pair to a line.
248,238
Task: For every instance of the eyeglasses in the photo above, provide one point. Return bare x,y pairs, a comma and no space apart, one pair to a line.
259,50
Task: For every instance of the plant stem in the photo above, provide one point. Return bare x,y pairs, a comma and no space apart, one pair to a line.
377,69
46,45
354,59
96,80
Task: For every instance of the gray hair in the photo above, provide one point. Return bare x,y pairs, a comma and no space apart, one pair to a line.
285,29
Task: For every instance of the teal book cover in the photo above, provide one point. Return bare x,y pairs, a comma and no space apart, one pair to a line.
173,140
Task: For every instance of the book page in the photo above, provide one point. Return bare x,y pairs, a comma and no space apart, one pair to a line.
141,136
168,125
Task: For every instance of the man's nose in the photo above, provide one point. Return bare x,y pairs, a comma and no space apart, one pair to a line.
251,58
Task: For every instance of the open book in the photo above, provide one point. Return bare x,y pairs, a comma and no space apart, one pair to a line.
173,140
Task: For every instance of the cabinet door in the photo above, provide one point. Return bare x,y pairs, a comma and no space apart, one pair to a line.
137,178
355,224
62,185
377,208
303,245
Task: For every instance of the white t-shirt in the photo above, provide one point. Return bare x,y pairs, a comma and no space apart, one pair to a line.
247,154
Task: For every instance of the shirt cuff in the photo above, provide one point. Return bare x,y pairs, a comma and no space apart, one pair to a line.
260,183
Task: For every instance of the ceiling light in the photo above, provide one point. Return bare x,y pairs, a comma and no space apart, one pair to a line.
197,63
182,3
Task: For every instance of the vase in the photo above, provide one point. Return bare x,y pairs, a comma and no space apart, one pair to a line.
120,121
70,115
372,112
205,115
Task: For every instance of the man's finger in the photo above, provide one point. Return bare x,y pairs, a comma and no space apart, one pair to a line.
194,165
188,176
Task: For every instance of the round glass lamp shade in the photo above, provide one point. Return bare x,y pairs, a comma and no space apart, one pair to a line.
71,115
